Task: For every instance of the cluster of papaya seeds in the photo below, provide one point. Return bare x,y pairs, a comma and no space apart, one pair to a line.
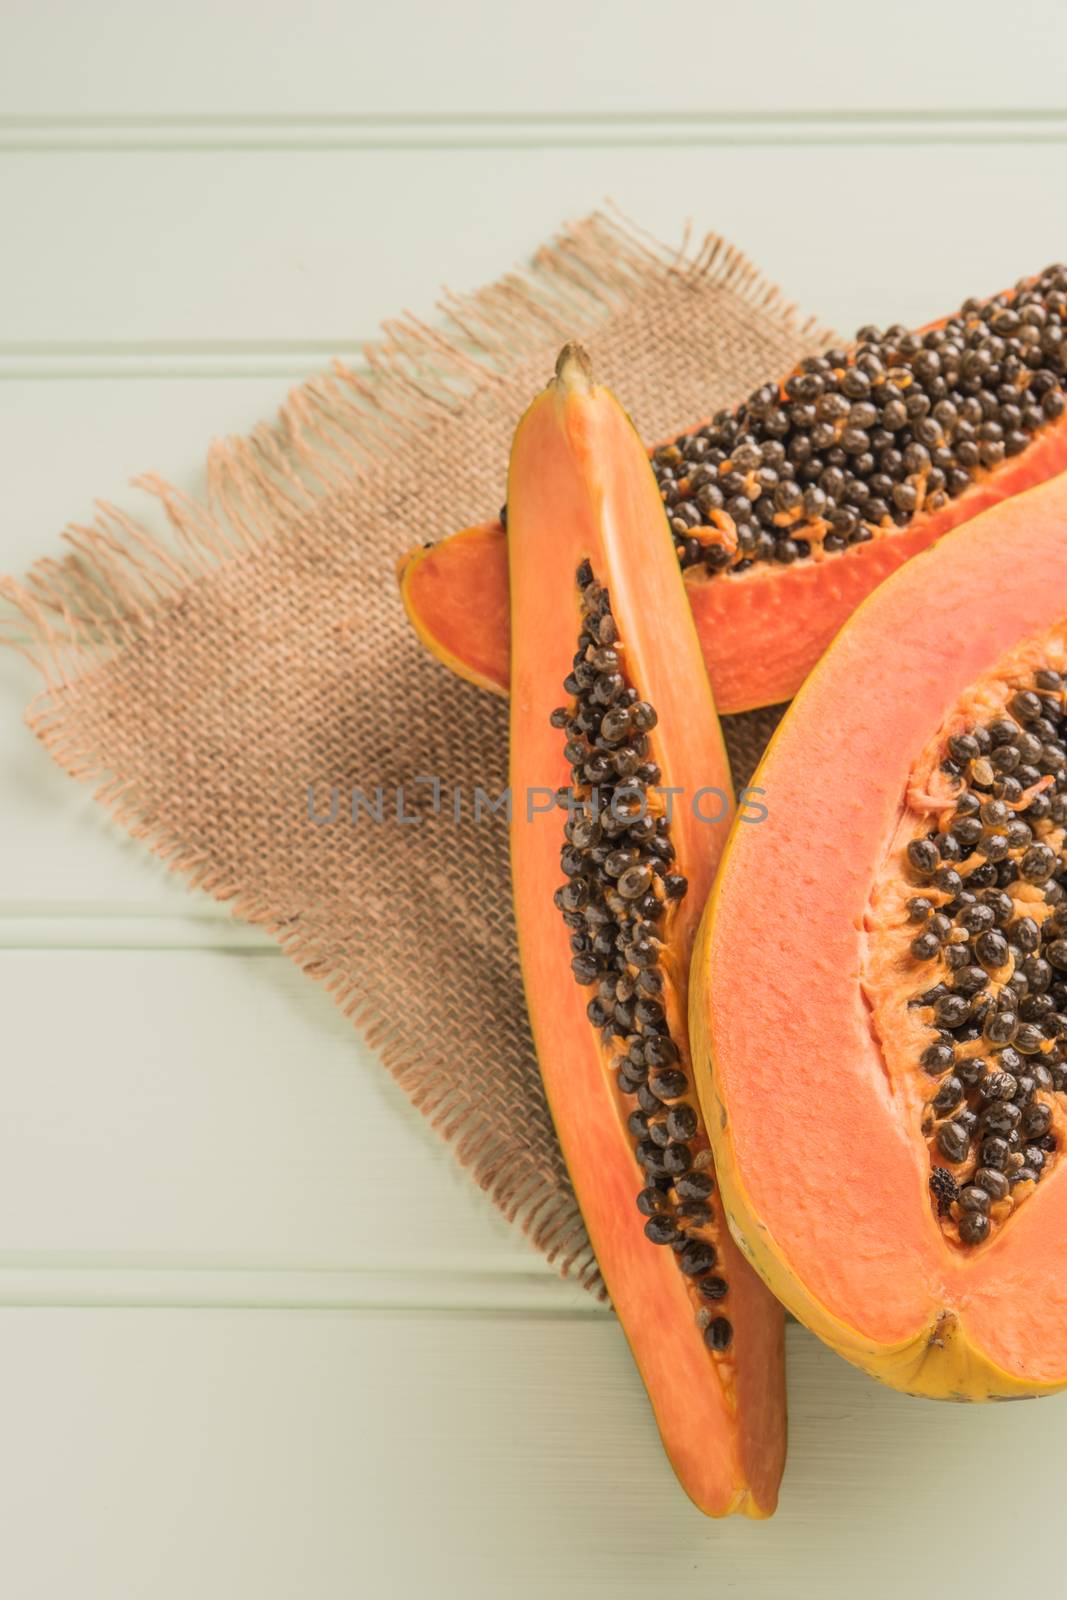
619,866
787,509
990,919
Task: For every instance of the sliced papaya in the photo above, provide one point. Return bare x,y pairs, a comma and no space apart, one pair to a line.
789,510
621,797
887,1106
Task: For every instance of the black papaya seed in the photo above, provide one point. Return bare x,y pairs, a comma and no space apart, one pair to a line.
974,1227
697,1257
718,1334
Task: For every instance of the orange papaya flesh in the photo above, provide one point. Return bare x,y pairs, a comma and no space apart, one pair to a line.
842,1184
456,597
764,622
588,551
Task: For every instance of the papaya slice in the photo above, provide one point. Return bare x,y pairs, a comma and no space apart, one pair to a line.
887,1107
621,797
789,510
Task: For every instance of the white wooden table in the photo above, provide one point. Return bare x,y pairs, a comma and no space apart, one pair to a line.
222,1374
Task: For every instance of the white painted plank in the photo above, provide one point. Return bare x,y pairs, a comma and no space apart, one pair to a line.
491,1289
180,1109
61,57
196,923
313,246
618,131
68,443
222,1455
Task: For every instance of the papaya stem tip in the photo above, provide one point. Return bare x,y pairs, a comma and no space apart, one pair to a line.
574,370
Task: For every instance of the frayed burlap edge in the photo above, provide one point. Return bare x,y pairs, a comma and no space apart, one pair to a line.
70,615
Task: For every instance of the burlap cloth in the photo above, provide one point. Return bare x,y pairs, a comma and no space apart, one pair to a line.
205,681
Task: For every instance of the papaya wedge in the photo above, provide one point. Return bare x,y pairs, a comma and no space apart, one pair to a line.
621,798
887,1108
856,461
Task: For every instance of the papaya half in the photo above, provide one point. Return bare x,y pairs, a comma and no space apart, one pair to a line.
621,799
787,511
887,1106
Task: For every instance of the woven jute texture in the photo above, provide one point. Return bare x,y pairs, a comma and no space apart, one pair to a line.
206,682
